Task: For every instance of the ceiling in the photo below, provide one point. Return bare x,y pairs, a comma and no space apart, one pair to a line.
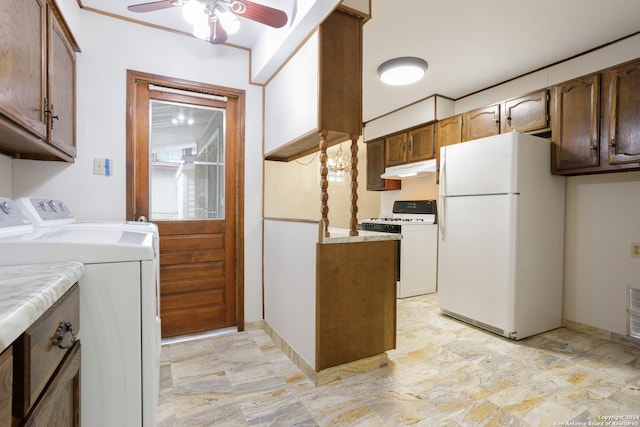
469,44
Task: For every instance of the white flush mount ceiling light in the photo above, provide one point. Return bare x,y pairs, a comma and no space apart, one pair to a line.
402,71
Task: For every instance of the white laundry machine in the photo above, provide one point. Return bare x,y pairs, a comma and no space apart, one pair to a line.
119,312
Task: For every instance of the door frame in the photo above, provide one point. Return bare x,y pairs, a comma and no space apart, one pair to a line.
136,77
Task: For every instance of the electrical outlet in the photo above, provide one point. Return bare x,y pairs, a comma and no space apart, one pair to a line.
635,250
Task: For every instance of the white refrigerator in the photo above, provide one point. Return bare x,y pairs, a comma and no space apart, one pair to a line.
501,235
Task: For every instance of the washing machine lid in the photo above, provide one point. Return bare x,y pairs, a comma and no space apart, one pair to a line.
89,246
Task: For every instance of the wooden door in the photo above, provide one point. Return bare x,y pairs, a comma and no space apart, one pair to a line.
375,168
61,88
396,149
481,122
422,144
22,63
189,185
624,127
575,124
526,113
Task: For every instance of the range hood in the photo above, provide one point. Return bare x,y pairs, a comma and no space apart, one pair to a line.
417,169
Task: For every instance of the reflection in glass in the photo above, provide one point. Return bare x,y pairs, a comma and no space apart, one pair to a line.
187,162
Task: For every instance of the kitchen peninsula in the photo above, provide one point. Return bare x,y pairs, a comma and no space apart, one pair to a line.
330,303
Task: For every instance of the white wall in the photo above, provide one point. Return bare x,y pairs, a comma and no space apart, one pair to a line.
601,210
110,47
292,189
290,284
6,176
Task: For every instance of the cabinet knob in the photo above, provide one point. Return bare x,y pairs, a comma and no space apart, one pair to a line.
64,337
594,148
612,145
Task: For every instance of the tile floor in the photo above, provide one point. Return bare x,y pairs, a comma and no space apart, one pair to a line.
443,373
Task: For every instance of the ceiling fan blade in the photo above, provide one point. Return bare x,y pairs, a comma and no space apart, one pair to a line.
150,7
264,14
218,34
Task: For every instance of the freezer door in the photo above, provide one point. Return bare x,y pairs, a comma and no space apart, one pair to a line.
483,166
477,259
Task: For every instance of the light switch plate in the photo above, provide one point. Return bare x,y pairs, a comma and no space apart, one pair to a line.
102,167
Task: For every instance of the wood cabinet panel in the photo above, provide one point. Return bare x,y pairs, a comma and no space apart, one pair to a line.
575,123
623,138
355,301
449,131
526,113
422,143
481,122
375,168
37,70
396,149
6,386
39,358
59,404
22,63
61,74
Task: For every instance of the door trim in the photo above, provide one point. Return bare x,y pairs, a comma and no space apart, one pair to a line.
135,77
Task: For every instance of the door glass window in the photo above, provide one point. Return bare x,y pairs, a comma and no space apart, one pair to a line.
187,162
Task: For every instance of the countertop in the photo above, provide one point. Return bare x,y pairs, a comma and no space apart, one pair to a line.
341,235
27,291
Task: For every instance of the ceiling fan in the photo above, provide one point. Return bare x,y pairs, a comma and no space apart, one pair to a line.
213,20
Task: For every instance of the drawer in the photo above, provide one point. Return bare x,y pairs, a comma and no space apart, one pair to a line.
36,354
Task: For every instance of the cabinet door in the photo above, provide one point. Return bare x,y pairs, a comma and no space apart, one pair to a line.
624,128
449,131
61,89
59,405
422,144
396,149
6,386
526,113
375,168
22,63
575,123
481,122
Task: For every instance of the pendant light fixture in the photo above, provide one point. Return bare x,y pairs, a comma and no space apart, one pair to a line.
402,71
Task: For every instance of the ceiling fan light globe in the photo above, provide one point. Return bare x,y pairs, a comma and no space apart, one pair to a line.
193,11
201,29
229,22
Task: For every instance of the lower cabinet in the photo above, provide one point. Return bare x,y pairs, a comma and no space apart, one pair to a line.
59,403
6,386
46,368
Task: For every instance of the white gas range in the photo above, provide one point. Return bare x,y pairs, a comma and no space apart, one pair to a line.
415,220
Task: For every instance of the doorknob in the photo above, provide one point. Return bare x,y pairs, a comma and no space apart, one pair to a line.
142,218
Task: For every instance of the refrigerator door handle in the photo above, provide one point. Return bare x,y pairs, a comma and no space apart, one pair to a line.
441,189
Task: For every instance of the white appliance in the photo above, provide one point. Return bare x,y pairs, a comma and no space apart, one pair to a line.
119,312
48,212
501,219
416,169
417,261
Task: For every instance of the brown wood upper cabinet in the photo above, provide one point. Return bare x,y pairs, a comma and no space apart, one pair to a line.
37,81
448,132
411,146
527,113
375,168
481,122
575,123
623,137
331,64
